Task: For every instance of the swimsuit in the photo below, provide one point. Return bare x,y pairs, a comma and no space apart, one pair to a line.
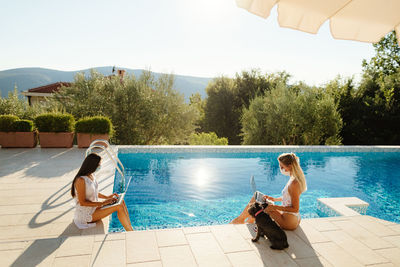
287,200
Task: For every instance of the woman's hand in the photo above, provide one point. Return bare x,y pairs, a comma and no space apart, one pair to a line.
268,198
108,201
115,196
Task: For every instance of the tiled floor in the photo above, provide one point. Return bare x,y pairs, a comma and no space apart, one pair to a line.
36,230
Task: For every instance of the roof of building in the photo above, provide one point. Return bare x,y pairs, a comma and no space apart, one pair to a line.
50,88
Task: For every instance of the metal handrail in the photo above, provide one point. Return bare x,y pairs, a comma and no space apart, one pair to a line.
111,150
111,154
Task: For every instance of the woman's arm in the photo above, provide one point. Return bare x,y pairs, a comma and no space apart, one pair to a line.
102,196
275,199
108,197
294,192
81,191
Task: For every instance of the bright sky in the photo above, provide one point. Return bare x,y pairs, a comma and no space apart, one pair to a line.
204,38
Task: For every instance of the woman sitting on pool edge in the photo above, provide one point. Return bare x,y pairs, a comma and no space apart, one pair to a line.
287,215
85,191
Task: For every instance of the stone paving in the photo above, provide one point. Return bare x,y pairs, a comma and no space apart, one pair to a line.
36,228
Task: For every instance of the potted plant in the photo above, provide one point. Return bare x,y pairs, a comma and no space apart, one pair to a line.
55,130
16,133
92,128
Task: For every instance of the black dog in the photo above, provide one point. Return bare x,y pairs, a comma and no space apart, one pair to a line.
266,226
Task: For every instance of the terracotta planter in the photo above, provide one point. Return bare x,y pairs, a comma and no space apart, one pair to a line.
18,139
84,139
56,139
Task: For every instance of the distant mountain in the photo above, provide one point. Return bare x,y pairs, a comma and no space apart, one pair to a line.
27,78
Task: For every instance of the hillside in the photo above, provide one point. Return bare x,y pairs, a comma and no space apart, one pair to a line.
27,78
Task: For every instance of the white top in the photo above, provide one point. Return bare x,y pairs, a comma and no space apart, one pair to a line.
286,198
83,215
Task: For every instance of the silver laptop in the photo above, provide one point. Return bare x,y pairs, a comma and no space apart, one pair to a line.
257,194
120,197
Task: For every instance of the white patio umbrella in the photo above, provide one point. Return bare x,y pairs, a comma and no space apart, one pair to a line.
360,20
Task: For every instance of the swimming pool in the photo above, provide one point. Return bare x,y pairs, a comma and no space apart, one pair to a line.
183,189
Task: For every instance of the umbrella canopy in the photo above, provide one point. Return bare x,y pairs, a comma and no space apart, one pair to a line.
360,20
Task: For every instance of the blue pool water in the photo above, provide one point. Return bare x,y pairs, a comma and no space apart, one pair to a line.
192,189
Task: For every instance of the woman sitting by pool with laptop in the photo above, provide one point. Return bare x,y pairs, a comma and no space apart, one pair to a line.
286,215
85,191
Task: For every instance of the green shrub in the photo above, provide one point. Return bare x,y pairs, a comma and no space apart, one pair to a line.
52,122
6,122
94,125
17,105
22,126
207,139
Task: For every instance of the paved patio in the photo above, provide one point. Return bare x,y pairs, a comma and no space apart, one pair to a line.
36,228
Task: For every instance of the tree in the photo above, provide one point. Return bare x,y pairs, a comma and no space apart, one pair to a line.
387,57
89,96
286,116
378,96
220,115
370,112
349,105
199,104
250,84
228,97
15,105
144,111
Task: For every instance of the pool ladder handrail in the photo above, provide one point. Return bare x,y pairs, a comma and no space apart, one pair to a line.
111,154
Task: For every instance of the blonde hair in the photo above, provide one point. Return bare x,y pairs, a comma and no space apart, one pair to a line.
290,159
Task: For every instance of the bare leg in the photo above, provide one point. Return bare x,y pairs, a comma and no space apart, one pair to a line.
126,211
121,212
286,221
244,215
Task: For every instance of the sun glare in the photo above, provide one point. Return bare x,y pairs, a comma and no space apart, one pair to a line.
201,177
210,11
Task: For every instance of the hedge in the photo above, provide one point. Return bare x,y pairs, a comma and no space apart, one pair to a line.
94,125
54,122
11,123
22,126
6,122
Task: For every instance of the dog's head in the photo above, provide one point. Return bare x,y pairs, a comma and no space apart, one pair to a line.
255,207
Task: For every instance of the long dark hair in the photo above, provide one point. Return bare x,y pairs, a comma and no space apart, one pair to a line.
89,166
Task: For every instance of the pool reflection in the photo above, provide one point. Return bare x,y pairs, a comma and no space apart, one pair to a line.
190,189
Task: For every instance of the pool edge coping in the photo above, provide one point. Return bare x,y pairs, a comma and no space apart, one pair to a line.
240,148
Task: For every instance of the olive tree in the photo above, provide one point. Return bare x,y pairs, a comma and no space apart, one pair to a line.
15,105
289,116
220,114
143,110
